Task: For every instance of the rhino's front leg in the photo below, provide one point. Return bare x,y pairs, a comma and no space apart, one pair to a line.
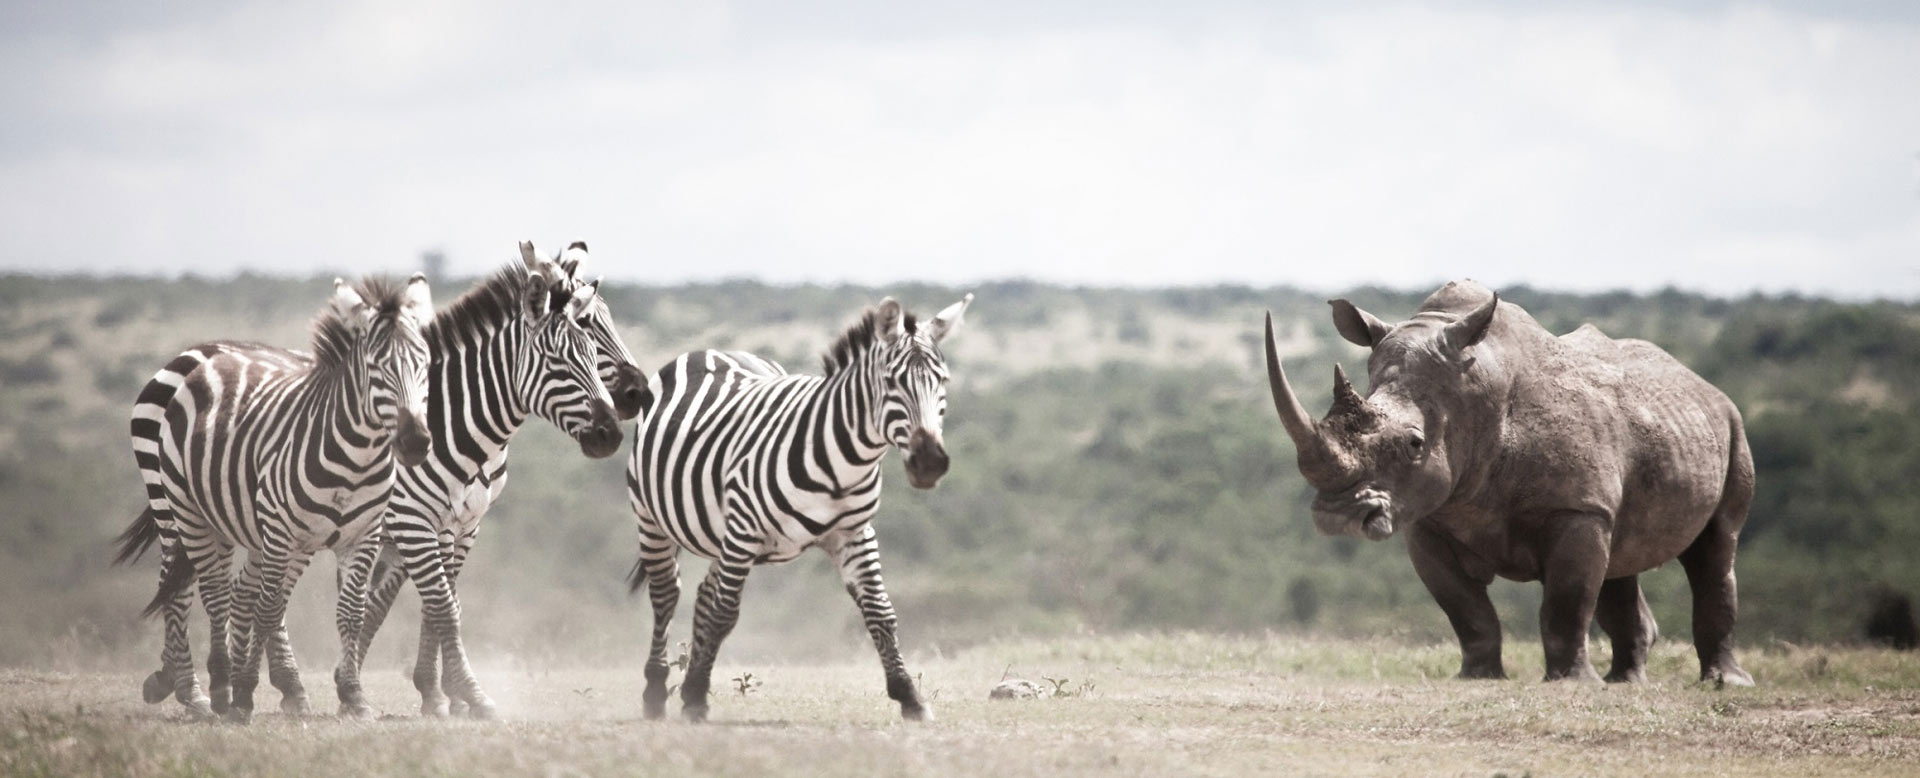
1439,561
1574,566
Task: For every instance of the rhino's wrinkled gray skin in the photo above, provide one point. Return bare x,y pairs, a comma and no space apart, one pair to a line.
1498,449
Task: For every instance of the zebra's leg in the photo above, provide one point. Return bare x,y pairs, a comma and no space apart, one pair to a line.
457,703
280,566
241,619
387,577
715,610
349,612
458,680
216,596
857,554
282,671
440,616
176,656
660,573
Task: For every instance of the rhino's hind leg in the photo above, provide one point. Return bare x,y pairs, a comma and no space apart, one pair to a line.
1709,566
1463,596
1622,611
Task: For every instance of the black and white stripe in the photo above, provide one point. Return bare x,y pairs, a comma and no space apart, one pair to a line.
744,464
278,452
528,341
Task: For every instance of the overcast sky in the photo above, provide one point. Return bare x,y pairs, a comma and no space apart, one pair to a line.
1582,146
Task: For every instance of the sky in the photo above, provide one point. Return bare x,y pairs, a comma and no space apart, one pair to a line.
1583,146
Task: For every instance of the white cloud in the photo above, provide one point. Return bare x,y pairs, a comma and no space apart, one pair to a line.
1572,148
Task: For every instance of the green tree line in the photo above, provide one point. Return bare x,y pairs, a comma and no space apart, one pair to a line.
1117,467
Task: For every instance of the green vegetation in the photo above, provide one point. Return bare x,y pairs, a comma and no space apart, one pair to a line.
1117,467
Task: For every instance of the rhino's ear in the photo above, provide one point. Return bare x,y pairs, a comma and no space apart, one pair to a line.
1462,334
1358,326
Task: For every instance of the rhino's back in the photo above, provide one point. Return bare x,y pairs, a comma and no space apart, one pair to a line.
1639,373
1673,432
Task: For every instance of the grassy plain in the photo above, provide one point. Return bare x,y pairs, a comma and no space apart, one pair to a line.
1176,704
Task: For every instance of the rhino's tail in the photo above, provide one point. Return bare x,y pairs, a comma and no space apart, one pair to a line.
1736,497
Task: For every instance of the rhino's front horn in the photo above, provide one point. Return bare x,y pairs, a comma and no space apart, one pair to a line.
1293,415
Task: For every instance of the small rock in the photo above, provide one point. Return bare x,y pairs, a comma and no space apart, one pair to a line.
1014,689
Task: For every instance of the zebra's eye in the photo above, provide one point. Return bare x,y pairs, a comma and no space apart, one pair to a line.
1416,442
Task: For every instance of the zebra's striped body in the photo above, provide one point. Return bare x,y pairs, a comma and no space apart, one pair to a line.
492,368
278,452
744,464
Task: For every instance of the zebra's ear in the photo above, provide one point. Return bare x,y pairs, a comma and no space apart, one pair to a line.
528,256
538,298
889,321
570,259
419,298
948,320
582,297
348,307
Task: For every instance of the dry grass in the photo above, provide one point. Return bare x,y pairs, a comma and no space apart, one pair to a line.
1152,705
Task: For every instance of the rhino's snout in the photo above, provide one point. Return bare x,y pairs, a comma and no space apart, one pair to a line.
1377,526
1362,513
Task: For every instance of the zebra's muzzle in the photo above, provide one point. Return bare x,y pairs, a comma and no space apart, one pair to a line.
602,436
629,390
926,459
412,442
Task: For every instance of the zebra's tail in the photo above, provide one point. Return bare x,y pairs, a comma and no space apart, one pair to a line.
140,536
636,578
176,574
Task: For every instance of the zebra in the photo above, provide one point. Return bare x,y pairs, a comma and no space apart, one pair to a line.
282,453
491,368
744,464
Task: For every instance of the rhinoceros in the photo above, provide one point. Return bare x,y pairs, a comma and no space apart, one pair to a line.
1498,449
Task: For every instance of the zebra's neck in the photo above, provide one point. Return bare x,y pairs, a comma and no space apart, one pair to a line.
337,399
477,402
845,420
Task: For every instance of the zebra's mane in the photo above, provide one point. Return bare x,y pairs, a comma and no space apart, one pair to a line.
857,341
333,338
490,304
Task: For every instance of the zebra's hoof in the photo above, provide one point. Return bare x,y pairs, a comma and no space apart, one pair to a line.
482,711
456,706
156,688
239,715
200,710
694,715
916,713
438,709
654,711
295,706
356,710
222,698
